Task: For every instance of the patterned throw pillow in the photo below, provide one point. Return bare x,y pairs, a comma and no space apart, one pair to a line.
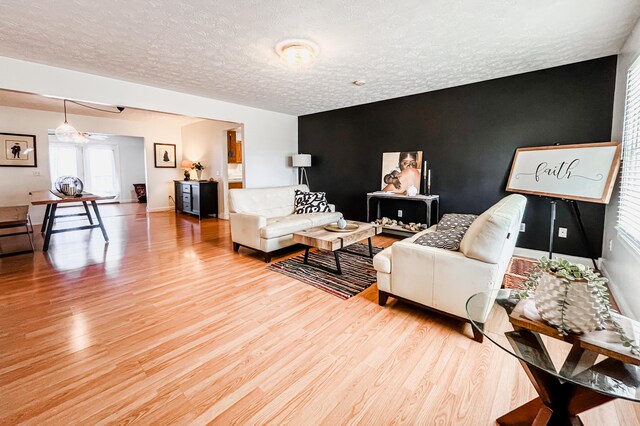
449,239
455,220
310,202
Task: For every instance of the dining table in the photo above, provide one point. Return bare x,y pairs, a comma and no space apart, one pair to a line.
53,200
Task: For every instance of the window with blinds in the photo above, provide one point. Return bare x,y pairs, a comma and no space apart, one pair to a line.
629,207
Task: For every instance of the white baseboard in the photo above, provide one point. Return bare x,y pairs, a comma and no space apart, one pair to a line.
537,254
160,209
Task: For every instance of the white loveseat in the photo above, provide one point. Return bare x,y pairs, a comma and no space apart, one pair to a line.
263,218
443,280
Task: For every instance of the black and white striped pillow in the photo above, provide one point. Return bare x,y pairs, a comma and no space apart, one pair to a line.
310,202
449,239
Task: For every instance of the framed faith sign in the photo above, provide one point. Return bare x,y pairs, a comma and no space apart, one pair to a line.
581,172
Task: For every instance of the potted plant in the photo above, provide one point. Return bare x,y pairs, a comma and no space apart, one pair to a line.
573,298
199,168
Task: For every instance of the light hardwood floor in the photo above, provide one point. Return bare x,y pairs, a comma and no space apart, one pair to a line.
167,325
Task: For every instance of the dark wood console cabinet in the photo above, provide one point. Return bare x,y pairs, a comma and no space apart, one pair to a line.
199,198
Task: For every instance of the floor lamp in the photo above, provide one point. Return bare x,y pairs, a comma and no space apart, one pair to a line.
301,161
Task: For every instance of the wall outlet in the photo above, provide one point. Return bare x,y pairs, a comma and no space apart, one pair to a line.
610,245
562,232
523,227
36,173
399,213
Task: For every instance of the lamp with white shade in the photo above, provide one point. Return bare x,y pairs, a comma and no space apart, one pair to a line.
302,161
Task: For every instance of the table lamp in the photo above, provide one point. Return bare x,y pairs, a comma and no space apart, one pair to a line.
186,165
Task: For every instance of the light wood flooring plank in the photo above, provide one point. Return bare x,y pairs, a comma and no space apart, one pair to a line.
168,325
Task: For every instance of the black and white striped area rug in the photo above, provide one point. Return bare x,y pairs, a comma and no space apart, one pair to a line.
357,271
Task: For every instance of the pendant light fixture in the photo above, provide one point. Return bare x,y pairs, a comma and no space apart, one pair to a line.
66,132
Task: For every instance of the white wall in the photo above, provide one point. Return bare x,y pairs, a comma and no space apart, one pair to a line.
620,263
269,138
206,142
17,182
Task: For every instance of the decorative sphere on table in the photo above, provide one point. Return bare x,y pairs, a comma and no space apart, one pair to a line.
412,190
342,223
69,185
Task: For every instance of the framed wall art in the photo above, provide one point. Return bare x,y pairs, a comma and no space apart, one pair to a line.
581,172
18,150
164,155
401,172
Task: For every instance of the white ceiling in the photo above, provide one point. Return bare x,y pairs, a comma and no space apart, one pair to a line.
224,49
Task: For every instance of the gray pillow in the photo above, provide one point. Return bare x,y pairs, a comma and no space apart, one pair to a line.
448,239
455,220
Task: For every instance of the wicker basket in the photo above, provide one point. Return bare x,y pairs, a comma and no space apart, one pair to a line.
517,271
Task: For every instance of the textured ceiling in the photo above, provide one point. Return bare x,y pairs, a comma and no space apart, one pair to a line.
224,49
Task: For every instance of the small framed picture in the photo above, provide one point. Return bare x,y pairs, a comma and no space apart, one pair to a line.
18,150
164,155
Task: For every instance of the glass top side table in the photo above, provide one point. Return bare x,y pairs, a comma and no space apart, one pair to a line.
569,374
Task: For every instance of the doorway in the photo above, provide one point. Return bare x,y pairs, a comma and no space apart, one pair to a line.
235,171
235,165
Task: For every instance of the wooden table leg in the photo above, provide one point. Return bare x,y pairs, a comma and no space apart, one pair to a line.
559,402
86,209
47,212
534,412
50,220
568,401
30,233
578,360
99,218
583,399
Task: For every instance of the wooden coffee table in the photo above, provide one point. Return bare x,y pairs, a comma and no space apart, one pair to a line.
322,239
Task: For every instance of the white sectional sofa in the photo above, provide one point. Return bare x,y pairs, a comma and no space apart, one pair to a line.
263,218
443,280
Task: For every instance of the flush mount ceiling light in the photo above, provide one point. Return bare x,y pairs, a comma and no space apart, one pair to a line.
297,51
